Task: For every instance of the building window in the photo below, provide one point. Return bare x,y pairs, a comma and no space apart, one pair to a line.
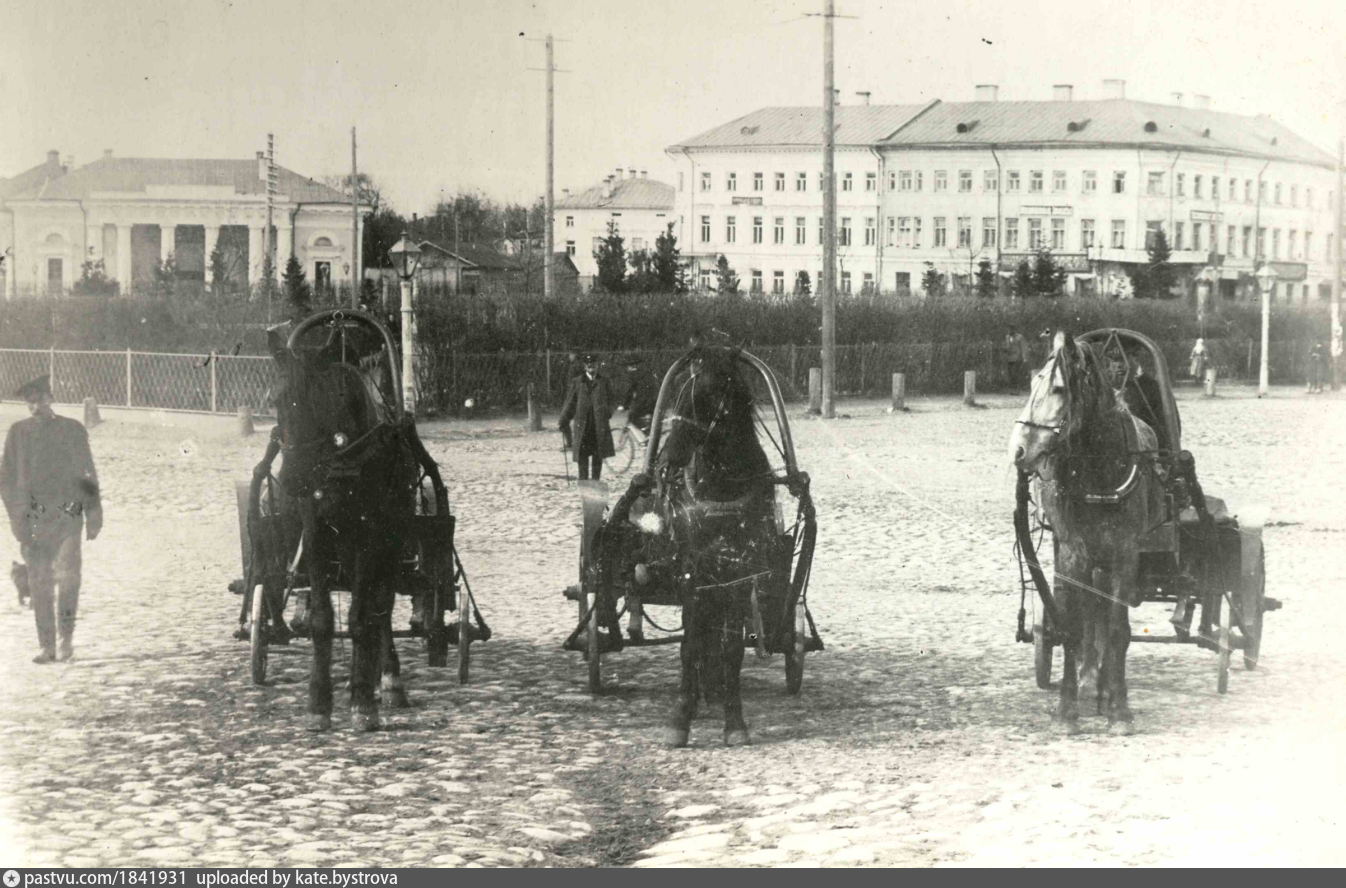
757,229
1119,233
1261,242
1247,190
1294,195
1276,243
1177,235
845,231
1278,194
778,230
847,182
1308,245
1035,233
1308,200
1086,234
1196,187
570,248
1154,184
1089,181
570,221
1119,182
1152,229
800,232
637,243
1196,234
892,231
871,181
941,180
1012,181
941,235
904,231
705,181
1180,183
780,181
756,280
1011,233
778,282
916,231
1058,234
965,231
731,182
1058,180
820,231
990,180
705,229
598,242
801,181
1035,181
869,231
757,182
987,231
1229,240
964,181
904,180
920,180
1233,188
846,282
867,285
704,275
892,180
1214,188
1247,241
1292,244
730,229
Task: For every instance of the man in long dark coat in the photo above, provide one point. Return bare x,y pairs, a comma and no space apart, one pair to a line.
589,403
50,490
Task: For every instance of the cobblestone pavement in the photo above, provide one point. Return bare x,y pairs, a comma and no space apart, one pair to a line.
920,737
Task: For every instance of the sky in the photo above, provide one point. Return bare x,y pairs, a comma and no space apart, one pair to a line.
443,98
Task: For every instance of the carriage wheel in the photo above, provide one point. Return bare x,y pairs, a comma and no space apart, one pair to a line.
1226,613
624,453
436,633
1254,595
794,654
595,655
258,637
1042,655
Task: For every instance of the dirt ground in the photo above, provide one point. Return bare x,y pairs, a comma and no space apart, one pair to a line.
919,739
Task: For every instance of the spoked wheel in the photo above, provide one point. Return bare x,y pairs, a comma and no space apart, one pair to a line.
1254,598
258,637
624,455
794,654
595,655
1226,614
436,633
1042,655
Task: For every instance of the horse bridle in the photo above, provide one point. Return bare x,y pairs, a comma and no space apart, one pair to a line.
1033,399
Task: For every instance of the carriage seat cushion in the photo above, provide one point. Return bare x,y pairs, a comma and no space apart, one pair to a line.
1214,505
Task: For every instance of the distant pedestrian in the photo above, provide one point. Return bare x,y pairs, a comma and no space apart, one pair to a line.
589,404
642,391
1197,360
1016,357
50,490
1317,364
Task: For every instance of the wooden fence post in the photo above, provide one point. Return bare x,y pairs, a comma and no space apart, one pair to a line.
214,382
245,427
1210,382
534,414
548,368
794,354
51,370
970,388
91,416
862,368
899,393
128,377
816,390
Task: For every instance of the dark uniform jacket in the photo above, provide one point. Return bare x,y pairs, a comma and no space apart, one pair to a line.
641,394
589,404
47,480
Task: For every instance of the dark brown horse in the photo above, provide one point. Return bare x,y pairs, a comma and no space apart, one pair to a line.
718,483
1094,464
350,468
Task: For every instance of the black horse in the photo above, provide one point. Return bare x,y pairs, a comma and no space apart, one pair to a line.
719,486
351,470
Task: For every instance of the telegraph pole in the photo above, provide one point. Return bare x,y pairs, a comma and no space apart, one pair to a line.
267,262
356,246
549,243
828,292
1340,224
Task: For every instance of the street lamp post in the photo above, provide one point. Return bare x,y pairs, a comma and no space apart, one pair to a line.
1266,282
1205,289
406,258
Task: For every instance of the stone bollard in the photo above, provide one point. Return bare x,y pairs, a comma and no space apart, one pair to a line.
91,417
816,390
1210,382
534,412
899,393
245,421
970,388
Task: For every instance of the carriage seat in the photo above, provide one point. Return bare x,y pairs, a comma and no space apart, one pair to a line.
1214,505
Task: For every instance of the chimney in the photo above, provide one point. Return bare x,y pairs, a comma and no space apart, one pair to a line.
53,159
565,192
987,92
1114,89
1177,99
107,153
632,172
1063,92
864,97
607,187
261,165
836,97
644,174
1200,101
619,174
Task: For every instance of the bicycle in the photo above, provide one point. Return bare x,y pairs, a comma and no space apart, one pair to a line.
629,441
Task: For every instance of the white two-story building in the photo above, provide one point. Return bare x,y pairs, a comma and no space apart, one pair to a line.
641,209
948,184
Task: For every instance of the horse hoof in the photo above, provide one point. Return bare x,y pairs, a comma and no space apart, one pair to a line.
737,737
363,722
1067,724
676,738
1121,727
318,722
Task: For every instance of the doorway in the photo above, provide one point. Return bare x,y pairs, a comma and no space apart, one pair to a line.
55,275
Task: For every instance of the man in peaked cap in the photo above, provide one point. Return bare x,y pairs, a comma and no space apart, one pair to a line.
589,403
50,488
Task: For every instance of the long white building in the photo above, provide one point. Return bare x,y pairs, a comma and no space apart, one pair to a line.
951,183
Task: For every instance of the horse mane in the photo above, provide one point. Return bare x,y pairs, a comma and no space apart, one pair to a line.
1092,444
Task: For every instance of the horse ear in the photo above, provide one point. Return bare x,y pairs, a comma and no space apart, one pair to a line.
1063,340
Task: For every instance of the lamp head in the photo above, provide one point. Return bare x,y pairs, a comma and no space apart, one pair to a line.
405,256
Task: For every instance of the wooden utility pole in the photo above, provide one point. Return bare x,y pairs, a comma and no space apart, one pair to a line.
549,242
1340,224
356,246
267,262
828,293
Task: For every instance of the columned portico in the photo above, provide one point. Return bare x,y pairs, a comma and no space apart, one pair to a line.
212,239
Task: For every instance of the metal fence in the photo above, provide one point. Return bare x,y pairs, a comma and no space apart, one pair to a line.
446,379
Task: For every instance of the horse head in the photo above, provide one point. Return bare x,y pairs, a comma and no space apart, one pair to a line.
1070,400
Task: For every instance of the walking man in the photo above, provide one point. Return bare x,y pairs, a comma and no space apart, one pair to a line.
1016,355
642,391
589,404
50,488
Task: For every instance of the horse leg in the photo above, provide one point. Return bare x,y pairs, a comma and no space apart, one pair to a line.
731,655
322,626
365,639
393,692
1120,719
1091,685
1073,633
680,727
